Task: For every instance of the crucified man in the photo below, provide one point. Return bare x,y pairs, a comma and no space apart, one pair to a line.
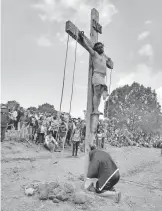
99,72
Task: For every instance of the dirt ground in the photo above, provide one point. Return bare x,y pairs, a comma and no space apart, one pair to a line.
22,164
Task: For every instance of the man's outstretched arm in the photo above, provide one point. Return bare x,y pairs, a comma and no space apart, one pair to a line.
90,50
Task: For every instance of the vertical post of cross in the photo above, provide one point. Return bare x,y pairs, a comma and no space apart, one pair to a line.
89,133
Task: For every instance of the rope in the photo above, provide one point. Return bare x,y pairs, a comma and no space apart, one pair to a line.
109,92
109,89
110,81
67,48
109,96
72,88
63,83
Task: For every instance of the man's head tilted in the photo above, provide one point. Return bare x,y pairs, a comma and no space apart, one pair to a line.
98,47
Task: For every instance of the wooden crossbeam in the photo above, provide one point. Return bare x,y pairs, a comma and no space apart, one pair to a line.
73,31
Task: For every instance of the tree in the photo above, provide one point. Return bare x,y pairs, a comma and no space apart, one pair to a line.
12,104
46,107
32,108
135,107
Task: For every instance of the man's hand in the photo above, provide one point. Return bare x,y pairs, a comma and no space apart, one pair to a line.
90,50
81,35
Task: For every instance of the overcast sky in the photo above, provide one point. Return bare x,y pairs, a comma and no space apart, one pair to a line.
34,46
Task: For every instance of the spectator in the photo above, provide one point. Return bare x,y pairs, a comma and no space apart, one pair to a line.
100,137
42,130
14,116
54,126
50,143
76,138
4,121
34,127
70,131
62,133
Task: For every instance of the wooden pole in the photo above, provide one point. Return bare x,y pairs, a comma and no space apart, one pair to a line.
89,134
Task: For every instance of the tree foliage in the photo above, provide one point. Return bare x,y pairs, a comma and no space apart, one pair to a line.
12,104
32,108
46,107
134,107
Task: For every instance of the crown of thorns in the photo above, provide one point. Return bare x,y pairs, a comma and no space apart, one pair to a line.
98,43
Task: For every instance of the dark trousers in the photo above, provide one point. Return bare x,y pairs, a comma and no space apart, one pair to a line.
3,130
110,184
34,130
16,124
68,137
75,148
10,123
54,134
41,137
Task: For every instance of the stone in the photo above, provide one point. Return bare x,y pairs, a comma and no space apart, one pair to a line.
52,185
55,200
69,188
15,170
42,187
84,207
79,197
56,190
62,196
51,196
29,191
43,195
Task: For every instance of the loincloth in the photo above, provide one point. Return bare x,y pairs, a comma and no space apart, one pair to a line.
98,79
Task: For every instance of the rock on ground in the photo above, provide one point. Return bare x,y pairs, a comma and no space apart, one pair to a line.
56,190
62,196
51,196
43,194
55,200
29,191
52,185
80,197
69,188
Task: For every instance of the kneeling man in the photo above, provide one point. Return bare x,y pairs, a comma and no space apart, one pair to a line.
104,169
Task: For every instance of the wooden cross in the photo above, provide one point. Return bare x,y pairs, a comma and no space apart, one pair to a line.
73,31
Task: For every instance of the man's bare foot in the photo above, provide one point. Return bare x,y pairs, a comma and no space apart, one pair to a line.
113,189
97,112
92,188
117,197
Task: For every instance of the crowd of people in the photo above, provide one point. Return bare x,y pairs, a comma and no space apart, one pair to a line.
54,130
58,130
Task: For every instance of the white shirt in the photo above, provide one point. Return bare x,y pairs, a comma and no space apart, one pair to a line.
14,114
49,140
43,129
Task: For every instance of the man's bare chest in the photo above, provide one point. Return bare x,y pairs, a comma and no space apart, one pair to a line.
99,59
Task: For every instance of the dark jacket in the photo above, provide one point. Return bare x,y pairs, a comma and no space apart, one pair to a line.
4,119
101,166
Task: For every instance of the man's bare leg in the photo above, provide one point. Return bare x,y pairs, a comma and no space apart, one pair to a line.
111,194
96,103
105,95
